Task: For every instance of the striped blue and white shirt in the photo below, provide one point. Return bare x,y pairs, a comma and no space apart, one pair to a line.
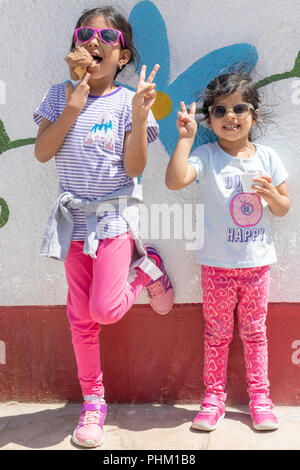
90,160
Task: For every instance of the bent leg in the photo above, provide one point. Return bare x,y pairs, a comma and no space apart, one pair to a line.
112,293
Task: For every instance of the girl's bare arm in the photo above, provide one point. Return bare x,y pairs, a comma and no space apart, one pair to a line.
52,134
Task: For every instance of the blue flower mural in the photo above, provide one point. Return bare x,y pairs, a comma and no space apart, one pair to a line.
150,35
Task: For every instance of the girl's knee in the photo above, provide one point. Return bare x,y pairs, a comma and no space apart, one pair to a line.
219,338
254,336
254,332
104,313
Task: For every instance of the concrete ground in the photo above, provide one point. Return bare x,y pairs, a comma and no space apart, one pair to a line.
39,426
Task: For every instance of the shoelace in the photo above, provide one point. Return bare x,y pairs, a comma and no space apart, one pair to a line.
263,408
209,409
157,290
91,417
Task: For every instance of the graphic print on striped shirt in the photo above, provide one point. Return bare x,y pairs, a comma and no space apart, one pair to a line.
102,131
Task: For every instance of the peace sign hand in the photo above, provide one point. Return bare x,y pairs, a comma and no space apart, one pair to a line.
186,124
145,94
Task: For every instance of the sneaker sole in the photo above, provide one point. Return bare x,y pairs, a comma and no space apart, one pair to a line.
169,310
207,427
267,426
87,443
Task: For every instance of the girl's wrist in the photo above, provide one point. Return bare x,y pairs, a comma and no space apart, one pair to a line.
279,204
186,138
72,109
186,142
139,123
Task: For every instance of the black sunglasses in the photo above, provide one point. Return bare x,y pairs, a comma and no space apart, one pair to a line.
240,110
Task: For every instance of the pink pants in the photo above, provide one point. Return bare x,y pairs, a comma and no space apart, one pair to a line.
222,289
98,294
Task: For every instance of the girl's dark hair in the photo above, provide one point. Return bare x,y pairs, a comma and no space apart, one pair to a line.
229,83
226,85
118,21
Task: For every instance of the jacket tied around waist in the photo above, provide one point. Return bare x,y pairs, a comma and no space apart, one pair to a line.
59,227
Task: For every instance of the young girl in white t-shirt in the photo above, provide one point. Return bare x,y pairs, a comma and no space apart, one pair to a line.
242,182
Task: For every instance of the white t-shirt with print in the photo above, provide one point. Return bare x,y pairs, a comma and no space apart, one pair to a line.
236,224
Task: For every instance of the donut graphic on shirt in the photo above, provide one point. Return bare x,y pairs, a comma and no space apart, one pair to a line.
246,209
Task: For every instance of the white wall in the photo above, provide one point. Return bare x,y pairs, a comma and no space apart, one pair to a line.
35,39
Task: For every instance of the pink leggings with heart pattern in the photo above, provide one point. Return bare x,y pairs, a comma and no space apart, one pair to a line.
223,290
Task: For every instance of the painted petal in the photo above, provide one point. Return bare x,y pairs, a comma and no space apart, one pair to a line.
191,83
151,40
189,86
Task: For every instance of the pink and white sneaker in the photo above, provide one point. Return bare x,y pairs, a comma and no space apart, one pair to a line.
161,291
261,413
89,431
211,414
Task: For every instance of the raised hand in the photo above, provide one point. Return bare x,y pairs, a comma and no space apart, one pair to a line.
186,124
276,197
267,190
145,94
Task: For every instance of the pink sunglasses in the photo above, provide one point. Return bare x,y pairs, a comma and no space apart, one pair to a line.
106,35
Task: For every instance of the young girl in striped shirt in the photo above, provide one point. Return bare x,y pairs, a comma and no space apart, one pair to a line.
98,133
